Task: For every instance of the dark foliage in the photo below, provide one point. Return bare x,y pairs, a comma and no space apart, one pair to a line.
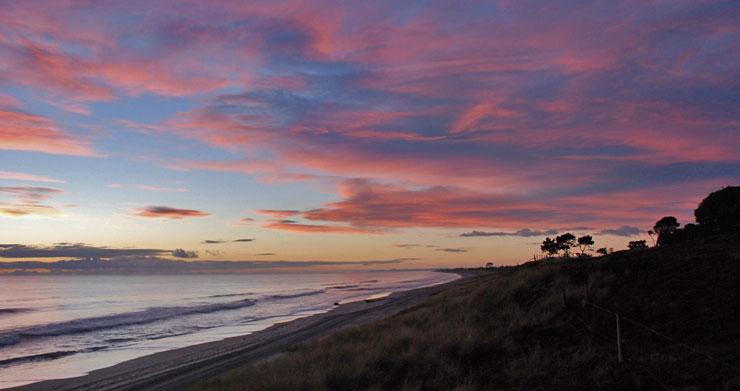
585,243
720,210
693,232
549,246
666,228
637,245
564,243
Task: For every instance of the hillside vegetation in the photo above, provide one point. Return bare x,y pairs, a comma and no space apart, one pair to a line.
510,328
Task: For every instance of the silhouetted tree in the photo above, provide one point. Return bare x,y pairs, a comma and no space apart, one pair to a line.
602,251
489,265
637,245
585,242
666,228
565,242
720,210
549,246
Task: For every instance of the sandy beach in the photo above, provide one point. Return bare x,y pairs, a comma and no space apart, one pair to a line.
176,369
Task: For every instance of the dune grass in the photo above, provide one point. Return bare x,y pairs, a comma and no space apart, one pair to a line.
510,329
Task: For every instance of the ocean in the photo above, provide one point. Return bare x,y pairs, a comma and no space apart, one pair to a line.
58,326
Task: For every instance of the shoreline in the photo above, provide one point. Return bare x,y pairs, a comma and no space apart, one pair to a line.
177,368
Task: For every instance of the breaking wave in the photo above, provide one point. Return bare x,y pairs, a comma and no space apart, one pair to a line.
48,356
295,295
119,320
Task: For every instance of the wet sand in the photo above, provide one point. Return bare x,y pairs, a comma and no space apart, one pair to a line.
176,369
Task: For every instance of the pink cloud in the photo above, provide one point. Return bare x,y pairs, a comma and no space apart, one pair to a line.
28,200
24,131
21,176
290,225
244,221
268,171
375,208
278,213
30,194
168,212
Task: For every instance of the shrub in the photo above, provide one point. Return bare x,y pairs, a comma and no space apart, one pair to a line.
637,245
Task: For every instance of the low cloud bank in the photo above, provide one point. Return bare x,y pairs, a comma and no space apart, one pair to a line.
156,265
525,233
625,230
621,231
180,253
452,250
73,250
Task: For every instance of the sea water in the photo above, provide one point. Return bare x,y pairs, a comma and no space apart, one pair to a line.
57,326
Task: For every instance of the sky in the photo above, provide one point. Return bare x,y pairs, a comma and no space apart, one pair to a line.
422,133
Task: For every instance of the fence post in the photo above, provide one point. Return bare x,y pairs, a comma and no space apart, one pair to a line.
619,339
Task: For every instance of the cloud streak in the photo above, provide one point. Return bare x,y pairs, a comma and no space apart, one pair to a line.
621,231
525,233
160,189
25,177
28,201
24,131
169,212
294,226
452,250
212,241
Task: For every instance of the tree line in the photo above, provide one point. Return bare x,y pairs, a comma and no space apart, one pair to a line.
717,214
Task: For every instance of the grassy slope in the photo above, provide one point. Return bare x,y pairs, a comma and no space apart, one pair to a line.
510,329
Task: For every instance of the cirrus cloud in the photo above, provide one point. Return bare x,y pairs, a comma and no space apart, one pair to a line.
22,176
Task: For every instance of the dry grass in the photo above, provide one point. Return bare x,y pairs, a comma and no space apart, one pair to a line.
511,330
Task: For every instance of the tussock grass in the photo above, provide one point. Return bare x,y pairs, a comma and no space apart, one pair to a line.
510,329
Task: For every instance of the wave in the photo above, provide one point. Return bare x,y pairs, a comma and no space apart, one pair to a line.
230,295
295,295
48,356
149,315
419,280
11,311
278,296
363,289
119,340
348,286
